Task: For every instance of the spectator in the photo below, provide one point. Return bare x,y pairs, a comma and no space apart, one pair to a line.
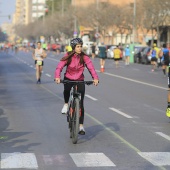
127,55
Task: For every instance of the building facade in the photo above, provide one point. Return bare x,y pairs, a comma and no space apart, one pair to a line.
28,11
38,9
88,2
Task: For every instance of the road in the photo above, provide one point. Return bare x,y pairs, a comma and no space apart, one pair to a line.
125,122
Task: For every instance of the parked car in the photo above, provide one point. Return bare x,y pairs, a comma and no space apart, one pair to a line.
109,52
146,56
138,54
87,47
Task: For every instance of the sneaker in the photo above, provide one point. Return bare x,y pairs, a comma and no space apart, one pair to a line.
168,112
38,81
81,130
152,70
64,109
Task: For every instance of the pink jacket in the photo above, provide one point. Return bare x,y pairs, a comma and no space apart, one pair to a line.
74,70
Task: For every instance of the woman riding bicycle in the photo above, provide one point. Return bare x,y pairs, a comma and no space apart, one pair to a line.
75,60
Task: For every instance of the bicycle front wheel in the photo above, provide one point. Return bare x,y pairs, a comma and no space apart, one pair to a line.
75,121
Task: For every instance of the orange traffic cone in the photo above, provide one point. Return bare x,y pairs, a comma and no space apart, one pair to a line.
102,69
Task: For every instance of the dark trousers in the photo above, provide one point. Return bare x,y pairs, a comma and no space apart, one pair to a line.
81,90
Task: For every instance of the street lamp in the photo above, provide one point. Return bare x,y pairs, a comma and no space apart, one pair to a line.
52,6
75,21
97,28
134,22
62,8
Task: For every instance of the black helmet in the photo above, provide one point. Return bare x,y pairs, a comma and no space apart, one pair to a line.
76,41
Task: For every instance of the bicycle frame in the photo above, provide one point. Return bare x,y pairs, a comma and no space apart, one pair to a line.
73,94
74,111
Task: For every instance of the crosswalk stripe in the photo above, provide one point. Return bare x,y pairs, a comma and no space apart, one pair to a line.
157,158
91,160
18,160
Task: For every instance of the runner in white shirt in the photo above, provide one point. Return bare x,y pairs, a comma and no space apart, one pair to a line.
39,55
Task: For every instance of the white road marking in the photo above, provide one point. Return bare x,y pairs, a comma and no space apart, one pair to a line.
48,75
135,69
91,160
156,109
157,158
132,80
163,135
53,59
18,160
31,65
90,97
152,72
121,113
58,160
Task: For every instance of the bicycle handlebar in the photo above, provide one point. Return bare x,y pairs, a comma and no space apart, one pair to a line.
76,82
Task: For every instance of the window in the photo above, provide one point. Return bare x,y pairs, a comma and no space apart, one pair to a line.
41,1
41,7
34,1
34,15
40,14
34,8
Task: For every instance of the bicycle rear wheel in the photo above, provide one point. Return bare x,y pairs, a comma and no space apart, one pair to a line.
75,121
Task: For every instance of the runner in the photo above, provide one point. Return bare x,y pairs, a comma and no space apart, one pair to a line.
153,59
117,55
165,59
39,55
102,56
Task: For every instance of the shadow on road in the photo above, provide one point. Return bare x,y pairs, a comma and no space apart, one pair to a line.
93,131
9,140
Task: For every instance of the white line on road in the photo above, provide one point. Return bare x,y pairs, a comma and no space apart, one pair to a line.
162,111
48,75
135,69
31,65
163,135
136,81
121,113
90,97
53,59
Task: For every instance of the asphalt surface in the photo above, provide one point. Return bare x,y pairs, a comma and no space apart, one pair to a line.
125,122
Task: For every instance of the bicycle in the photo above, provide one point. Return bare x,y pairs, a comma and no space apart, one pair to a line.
74,111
